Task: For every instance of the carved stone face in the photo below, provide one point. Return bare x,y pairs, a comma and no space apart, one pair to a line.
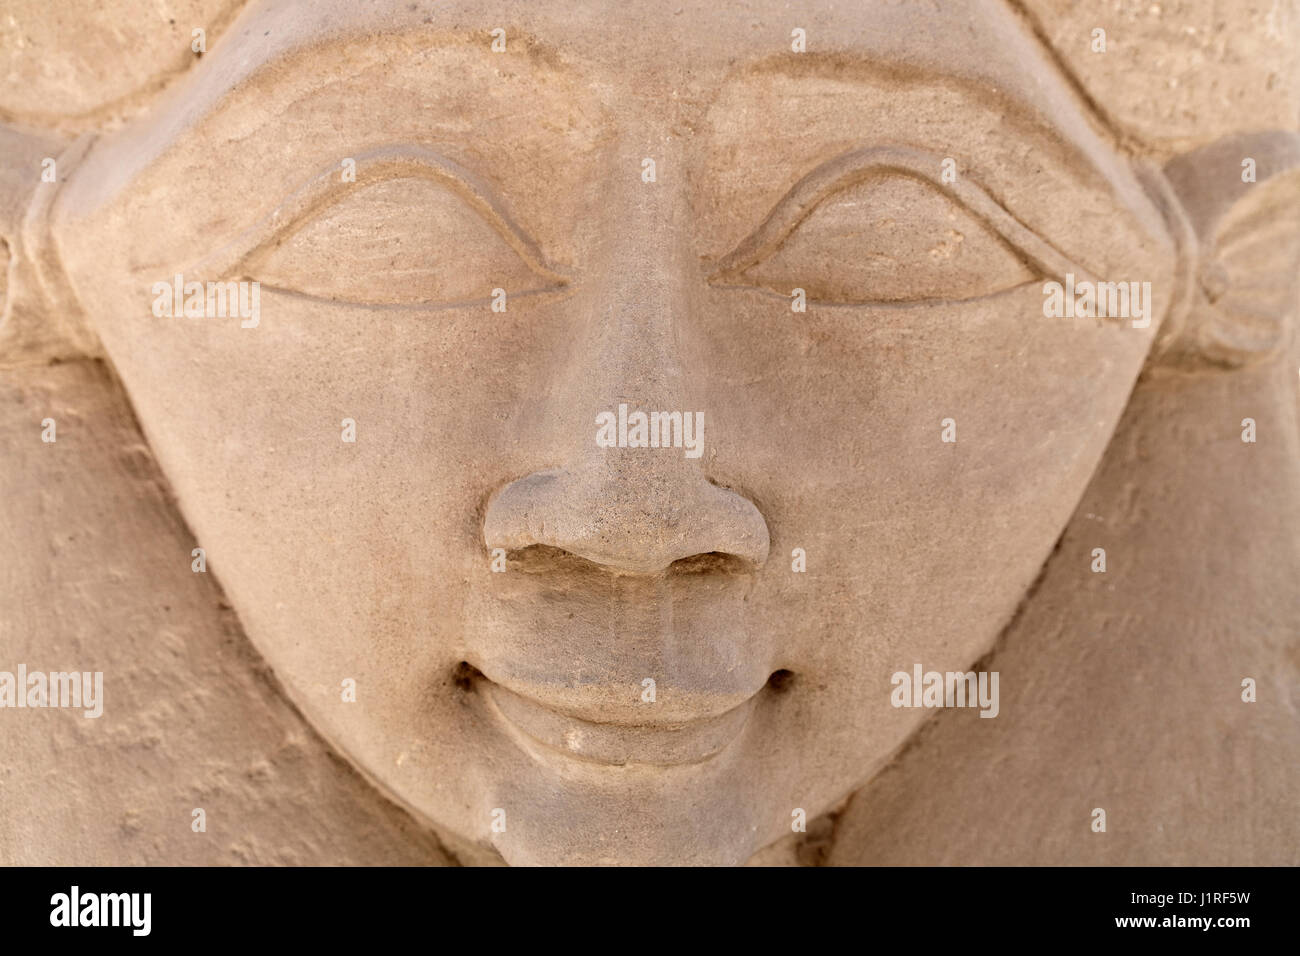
476,427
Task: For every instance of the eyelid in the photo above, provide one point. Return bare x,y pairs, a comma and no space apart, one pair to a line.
375,166
854,167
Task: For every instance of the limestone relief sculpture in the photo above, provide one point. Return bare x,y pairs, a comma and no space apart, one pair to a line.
624,433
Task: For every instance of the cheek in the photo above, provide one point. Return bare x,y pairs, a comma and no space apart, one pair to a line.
343,558
918,550
834,422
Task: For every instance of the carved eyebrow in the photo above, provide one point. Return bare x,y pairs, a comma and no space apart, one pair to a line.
856,166
375,166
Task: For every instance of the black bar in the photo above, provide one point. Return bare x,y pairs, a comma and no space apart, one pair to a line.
655,907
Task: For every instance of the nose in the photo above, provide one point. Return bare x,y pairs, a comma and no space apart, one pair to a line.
635,509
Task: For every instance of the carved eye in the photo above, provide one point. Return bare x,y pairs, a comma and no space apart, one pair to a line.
413,230
870,228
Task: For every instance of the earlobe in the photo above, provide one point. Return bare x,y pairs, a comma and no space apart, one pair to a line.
1238,202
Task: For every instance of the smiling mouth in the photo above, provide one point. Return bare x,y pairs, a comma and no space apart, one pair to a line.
618,744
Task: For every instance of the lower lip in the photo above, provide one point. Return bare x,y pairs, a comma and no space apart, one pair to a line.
619,744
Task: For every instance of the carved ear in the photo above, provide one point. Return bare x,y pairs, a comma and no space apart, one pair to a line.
1240,205
40,318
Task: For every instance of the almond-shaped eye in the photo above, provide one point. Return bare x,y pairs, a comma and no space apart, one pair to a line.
890,238
408,229
404,241
874,228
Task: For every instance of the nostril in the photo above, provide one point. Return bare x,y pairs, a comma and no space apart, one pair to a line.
713,562
544,559
634,518
781,681
464,674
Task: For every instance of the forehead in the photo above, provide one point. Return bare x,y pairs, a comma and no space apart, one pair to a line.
644,33
676,50
594,70
576,69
